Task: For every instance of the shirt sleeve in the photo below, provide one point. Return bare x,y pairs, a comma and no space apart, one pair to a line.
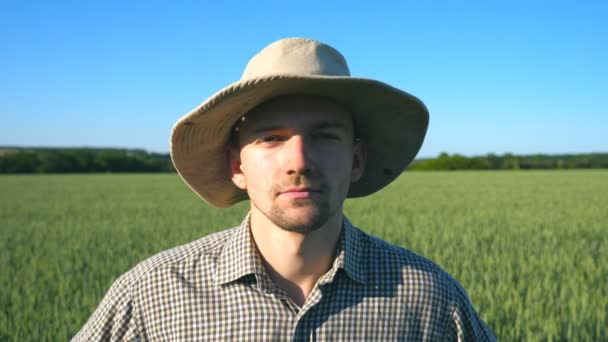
465,324
115,318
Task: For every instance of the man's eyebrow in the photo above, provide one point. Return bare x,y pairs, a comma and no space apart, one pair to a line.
262,129
332,124
317,126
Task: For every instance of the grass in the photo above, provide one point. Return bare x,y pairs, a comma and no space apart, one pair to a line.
529,247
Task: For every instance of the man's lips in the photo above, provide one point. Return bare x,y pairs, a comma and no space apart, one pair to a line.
299,192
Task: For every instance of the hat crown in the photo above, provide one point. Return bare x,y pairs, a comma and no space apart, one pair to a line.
296,56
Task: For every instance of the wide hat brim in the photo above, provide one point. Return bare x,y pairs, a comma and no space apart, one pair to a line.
391,122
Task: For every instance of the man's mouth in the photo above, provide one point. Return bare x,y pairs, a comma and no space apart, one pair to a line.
299,193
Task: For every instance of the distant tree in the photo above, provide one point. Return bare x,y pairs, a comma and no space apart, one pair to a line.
19,162
510,162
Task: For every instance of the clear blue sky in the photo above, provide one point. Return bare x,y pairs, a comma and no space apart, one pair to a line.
497,76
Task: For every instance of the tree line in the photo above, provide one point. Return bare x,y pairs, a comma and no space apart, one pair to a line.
91,160
512,162
82,160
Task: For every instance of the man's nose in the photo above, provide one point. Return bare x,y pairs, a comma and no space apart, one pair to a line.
296,155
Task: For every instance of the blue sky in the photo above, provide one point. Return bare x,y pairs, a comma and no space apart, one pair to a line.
497,76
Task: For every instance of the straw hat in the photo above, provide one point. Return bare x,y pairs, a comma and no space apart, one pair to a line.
392,123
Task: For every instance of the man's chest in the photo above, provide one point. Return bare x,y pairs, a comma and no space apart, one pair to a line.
241,312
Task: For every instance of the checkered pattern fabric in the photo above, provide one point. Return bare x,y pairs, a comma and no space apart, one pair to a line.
216,289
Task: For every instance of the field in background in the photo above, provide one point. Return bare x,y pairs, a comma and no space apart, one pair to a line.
530,247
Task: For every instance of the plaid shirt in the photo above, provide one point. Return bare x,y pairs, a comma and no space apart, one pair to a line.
216,289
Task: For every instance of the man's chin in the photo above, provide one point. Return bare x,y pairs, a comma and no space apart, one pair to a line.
302,219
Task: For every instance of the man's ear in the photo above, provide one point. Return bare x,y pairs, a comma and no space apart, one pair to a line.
359,160
233,158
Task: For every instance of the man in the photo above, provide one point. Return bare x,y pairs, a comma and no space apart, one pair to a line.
296,136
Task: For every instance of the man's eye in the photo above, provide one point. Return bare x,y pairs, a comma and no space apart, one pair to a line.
270,138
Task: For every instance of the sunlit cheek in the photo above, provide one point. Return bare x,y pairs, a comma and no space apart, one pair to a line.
265,161
262,169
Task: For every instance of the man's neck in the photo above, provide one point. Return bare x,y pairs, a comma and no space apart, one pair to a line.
295,261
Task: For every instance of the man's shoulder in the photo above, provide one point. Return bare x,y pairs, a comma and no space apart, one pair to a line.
202,252
408,267
422,286
400,256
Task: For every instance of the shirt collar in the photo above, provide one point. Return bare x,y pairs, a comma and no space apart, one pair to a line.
240,257
349,255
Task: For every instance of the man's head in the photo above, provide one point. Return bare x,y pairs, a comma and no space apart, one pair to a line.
391,122
296,158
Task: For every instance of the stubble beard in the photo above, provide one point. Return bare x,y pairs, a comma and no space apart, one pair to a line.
320,211
319,215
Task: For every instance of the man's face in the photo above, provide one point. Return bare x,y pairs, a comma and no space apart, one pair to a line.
296,161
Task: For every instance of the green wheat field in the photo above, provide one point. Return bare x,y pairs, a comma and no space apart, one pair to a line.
530,247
